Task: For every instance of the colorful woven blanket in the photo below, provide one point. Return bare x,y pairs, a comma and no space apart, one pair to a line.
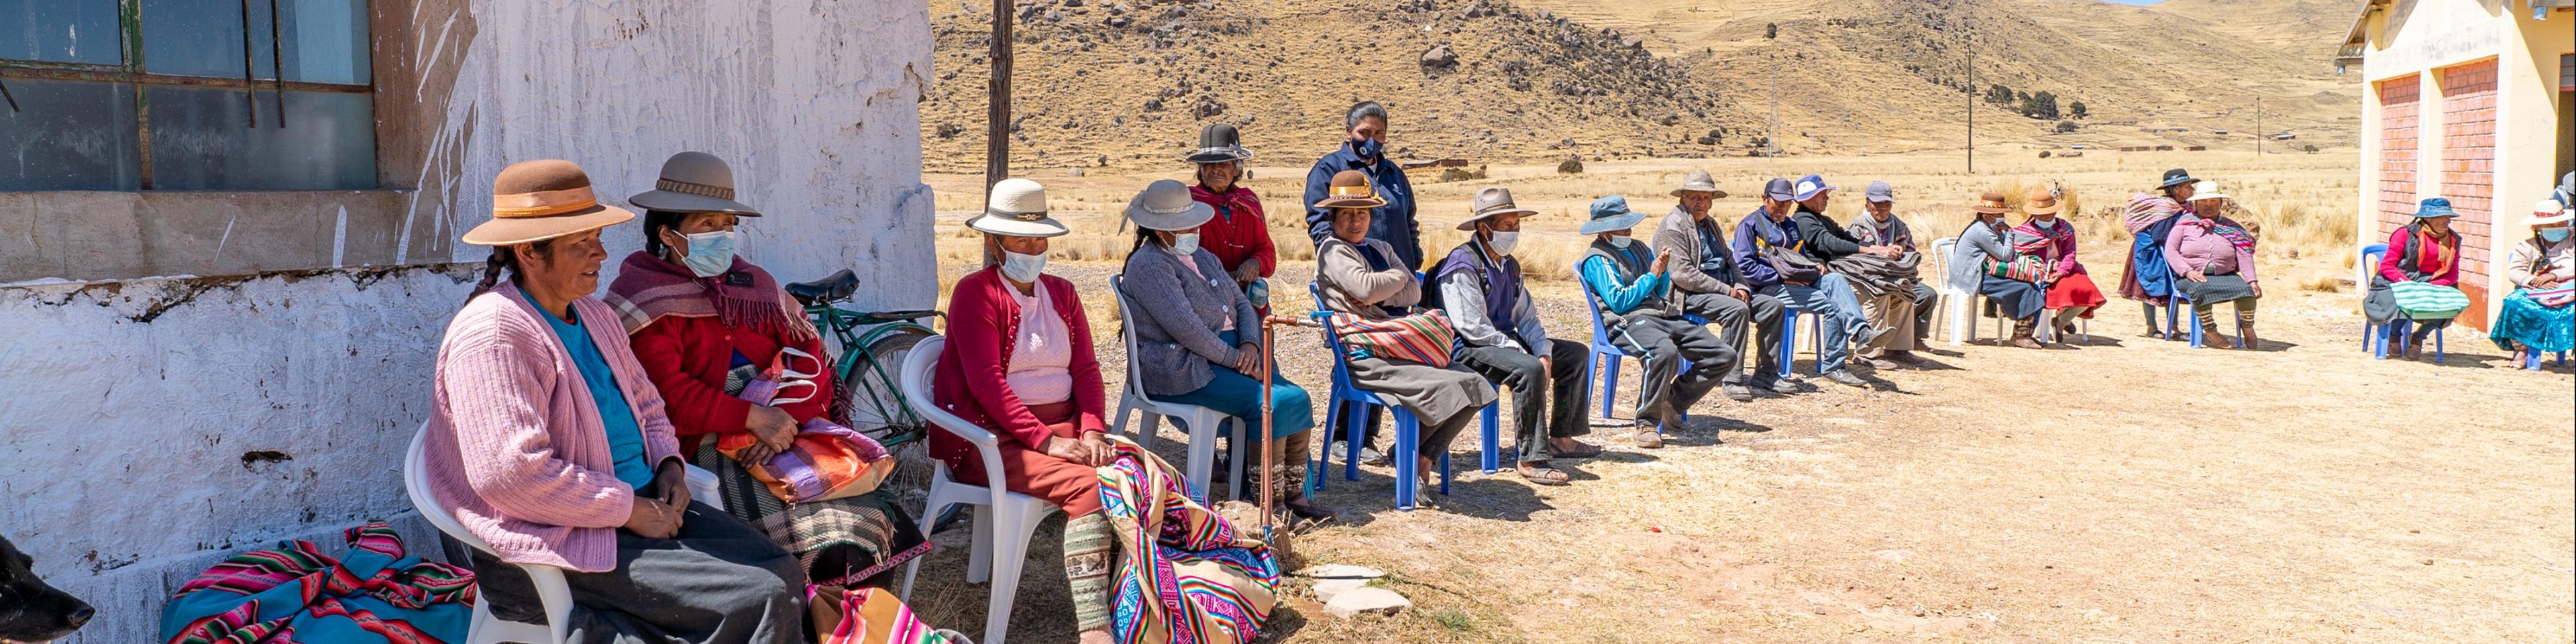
294,593
1186,576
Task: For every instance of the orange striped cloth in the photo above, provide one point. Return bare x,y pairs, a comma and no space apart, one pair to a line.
1422,337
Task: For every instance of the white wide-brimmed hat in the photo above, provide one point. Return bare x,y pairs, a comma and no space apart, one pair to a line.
1166,205
2205,189
1017,208
2549,212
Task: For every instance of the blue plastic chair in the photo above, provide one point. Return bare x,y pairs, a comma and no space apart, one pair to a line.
1789,339
1345,412
1606,356
2533,363
2375,336
2174,303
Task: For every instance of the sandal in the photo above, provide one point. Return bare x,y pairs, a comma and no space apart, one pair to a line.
1580,451
1544,475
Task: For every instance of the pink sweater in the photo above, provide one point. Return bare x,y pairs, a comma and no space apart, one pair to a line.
516,449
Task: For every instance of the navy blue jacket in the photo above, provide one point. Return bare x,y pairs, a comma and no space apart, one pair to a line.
1393,223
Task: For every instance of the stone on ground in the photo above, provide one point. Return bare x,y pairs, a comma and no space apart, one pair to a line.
1367,600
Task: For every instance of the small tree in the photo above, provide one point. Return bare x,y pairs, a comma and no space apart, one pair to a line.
2077,110
2065,127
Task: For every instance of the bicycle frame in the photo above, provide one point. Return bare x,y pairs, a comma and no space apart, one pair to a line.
844,325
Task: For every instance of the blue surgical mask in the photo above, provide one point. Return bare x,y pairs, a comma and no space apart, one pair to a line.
1367,148
2553,235
1184,244
710,253
1621,241
1022,268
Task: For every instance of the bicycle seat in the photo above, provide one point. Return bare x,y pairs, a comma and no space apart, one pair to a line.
833,287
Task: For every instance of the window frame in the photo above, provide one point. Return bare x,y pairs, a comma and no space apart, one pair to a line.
130,71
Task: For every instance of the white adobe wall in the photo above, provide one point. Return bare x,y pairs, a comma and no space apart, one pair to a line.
130,407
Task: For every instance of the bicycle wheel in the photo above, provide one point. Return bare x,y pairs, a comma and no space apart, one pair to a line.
875,405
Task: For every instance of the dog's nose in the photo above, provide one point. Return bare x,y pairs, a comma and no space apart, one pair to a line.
80,616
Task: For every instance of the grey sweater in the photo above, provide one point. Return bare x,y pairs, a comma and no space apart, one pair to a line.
1694,271
1177,314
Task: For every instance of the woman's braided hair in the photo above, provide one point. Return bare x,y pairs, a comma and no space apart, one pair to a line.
503,258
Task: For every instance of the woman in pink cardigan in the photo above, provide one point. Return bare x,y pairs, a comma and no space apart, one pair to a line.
549,443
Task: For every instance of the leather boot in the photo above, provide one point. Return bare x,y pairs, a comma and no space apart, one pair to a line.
2021,335
2245,337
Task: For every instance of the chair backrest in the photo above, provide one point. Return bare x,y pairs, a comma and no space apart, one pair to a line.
1942,248
1127,332
416,484
916,378
1332,341
2371,254
1591,302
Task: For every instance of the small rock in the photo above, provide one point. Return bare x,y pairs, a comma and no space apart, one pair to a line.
1340,571
1367,600
1439,57
1327,589
1077,172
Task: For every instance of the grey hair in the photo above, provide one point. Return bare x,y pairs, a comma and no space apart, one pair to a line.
1361,110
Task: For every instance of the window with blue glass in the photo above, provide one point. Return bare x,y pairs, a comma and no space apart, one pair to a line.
185,95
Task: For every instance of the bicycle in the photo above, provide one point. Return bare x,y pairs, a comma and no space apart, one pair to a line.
872,346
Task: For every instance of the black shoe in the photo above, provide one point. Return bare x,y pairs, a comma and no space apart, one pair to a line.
1738,393
1765,383
1845,378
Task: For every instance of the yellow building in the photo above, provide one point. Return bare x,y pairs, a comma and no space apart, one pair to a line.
2471,100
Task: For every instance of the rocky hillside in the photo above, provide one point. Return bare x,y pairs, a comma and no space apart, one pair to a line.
1129,82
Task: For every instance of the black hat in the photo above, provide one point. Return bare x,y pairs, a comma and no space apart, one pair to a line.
1219,143
2175,177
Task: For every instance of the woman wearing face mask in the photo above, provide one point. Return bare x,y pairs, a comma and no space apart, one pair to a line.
2539,317
1362,277
706,323
1198,340
1364,149
1019,362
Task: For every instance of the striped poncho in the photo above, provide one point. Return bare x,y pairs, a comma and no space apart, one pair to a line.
1186,577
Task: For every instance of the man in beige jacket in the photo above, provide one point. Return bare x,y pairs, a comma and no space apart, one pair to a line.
1710,287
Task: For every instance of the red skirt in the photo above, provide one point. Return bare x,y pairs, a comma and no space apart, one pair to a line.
2073,291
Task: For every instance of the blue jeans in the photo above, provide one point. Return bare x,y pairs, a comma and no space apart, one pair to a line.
1231,393
1832,298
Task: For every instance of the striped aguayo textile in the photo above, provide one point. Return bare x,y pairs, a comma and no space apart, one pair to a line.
1422,337
1186,576
294,593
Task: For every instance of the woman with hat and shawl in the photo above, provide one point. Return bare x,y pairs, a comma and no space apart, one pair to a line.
1019,363
706,324
2215,257
1239,235
1982,246
2425,253
2052,239
2538,317
1198,338
548,441
1365,277
2147,279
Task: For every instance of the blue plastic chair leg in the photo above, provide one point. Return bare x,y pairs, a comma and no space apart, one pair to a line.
1444,473
1609,391
1406,433
1353,420
1788,341
2437,346
1493,430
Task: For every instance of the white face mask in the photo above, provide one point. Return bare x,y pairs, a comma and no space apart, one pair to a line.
710,253
1620,241
1184,244
1022,268
1503,241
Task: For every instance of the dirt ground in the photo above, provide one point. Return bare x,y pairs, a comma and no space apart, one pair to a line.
2123,489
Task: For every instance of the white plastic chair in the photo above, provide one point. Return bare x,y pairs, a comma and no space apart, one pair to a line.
552,594
1004,520
1205,425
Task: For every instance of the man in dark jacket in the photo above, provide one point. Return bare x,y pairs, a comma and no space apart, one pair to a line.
1828,295
1827,240
1710,286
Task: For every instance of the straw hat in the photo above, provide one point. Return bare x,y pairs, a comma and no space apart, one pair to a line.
1699,181
1017,208
1166,205
1991,203
2041,202
1351,189
540,200
1491,202
2205,190
2548,212
693,182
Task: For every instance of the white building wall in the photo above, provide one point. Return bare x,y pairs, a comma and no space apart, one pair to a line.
154,426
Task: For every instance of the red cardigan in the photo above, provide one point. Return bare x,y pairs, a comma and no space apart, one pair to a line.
983,321
687,359
1239,235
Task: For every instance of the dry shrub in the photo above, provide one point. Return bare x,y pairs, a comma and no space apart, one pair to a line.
2323,284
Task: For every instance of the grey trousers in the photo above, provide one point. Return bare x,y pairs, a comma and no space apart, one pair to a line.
1518,371
719,581
1738,321
1665,387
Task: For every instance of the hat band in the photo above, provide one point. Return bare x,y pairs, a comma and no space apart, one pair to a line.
1353,191
1500,207
543,203
1020,216
1989,203
699,189
1168,211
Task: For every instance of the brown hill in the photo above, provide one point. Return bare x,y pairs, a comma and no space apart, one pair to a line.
1128,82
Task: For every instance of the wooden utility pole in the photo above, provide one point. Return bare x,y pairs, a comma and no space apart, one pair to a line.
997,101
2258,126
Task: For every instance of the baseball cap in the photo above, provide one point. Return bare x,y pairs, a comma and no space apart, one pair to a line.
1778,190
1810,185
1880,192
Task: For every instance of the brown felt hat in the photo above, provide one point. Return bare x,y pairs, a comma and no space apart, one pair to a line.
1991,203
540,200
1699,181
1351,189
1491,202
2041,202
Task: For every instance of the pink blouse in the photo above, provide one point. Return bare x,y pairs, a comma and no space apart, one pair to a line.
1042,357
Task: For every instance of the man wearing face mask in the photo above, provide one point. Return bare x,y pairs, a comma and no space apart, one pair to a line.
706,323
1711,287
1364,149
1481,289
1637,305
